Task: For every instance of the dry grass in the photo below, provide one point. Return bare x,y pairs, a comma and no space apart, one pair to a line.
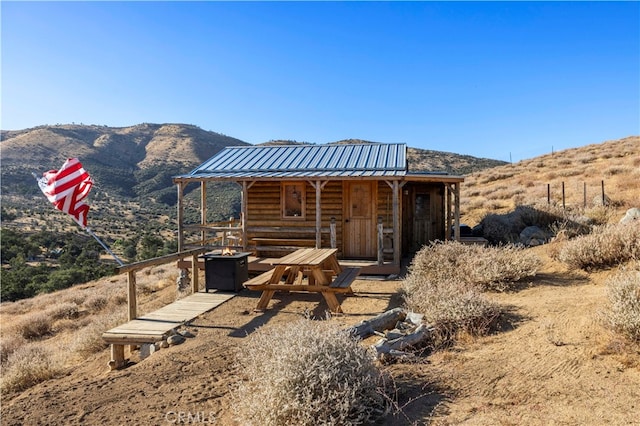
446,280
623,313
614,162
29,365
33,328
318,374
487,268
450,306
607,245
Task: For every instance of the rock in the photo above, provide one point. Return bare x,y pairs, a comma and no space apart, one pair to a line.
148,349
631,214
186,333
164,344
175,339
533,236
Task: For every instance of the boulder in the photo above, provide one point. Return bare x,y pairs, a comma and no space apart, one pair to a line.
175,339
533,236
632,214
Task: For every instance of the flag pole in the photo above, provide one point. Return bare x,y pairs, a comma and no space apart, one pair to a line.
89,231
104,246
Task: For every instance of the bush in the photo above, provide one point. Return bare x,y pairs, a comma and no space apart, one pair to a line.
450,305
29,365
34,326
8,345
64,310
89,340
623,313
488,268
607,245
308,373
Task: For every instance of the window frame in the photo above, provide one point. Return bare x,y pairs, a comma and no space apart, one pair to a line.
283,199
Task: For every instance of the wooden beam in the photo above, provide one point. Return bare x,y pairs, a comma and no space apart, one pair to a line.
180,218
318,187
203,209
132,301
447,231
161,260
195,285
380,241
456,212
244,199
397,231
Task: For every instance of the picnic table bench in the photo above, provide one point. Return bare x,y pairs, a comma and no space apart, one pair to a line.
305,270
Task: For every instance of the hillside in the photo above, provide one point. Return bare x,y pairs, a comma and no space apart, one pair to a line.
549,360
585,171
126,163
132,169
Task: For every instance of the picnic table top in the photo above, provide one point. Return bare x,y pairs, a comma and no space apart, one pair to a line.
306,256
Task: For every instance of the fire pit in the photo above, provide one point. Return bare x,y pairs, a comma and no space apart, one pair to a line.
225,270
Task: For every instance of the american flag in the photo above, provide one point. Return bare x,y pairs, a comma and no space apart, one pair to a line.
67,188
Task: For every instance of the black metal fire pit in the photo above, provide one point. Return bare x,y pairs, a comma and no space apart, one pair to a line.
225,271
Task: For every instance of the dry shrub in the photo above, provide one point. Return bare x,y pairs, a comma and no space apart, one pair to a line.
34,326
29,365
607,245
89,340
96,302
487,268
8,345
623,312
316,374
63,310
450,305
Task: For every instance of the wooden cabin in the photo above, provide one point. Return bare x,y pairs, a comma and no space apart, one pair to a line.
359,198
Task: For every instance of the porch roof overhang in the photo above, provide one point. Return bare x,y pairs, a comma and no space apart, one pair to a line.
291,176
312,162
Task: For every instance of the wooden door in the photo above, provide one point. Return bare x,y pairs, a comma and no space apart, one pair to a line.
359,240
422,220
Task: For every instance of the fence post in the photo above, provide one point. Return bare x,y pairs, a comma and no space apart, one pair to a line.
603,198
563,205
549,194
584,192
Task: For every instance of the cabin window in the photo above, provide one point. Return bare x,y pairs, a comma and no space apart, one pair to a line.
293,200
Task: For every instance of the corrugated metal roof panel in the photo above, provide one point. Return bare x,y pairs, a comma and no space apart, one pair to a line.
310,160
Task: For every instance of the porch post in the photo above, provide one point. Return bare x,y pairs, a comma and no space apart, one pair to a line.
318,215
456,218
243,208
180,217
203,210
447,232
396,223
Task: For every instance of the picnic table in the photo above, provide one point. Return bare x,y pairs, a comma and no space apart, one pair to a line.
305,270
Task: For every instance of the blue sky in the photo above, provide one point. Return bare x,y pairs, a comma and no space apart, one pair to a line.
503,80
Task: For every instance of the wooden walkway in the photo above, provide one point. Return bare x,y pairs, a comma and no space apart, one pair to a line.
155,326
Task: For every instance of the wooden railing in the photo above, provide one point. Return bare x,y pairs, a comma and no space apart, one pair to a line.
132,268
226,234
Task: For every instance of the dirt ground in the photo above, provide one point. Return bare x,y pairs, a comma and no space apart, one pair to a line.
551,362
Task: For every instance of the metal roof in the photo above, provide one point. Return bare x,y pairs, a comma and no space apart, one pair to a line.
303,161
292,162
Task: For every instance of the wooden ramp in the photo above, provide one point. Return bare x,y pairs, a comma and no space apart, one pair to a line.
155,326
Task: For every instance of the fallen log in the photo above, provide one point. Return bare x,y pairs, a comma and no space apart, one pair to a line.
384,321
419,335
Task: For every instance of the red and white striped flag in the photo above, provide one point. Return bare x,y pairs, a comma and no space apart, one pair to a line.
67,188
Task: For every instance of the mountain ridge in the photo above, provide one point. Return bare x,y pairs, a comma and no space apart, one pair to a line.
168,147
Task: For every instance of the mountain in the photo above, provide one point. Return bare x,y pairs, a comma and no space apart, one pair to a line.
136,161
132,166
